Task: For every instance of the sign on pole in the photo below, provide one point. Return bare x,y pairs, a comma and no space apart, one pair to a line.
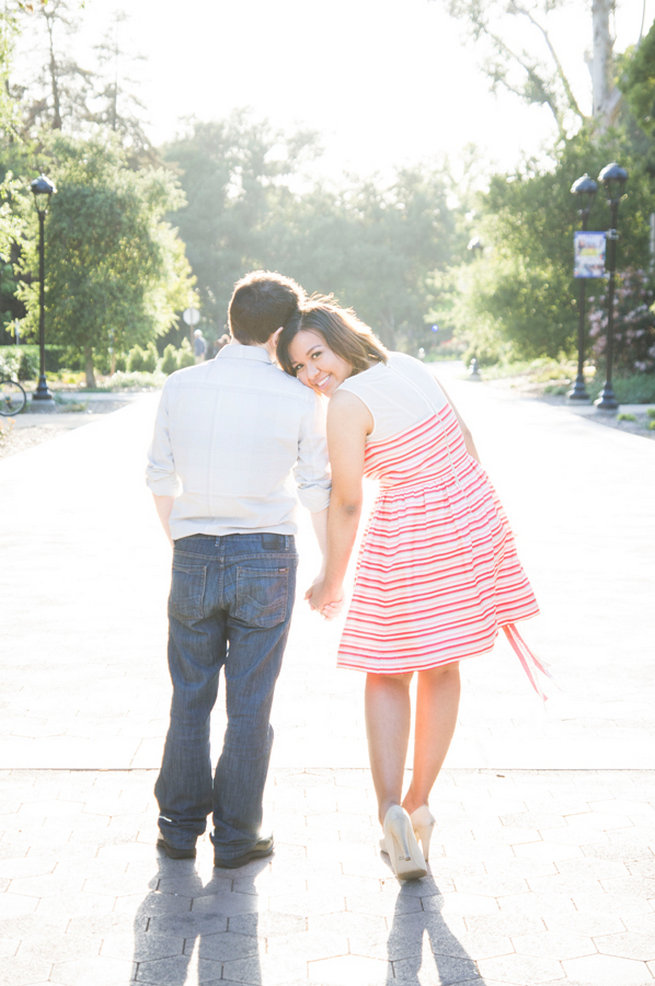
191,316
589,254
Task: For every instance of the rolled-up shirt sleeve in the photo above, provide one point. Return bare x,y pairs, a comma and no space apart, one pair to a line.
161,476
312,471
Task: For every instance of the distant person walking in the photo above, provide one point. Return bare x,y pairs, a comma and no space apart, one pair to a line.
228,435
219,343
199,346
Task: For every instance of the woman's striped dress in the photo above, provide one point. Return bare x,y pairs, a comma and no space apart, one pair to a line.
438,572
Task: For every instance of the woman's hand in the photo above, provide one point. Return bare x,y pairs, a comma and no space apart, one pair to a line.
323,599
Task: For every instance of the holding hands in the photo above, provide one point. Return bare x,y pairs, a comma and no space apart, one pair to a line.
323,599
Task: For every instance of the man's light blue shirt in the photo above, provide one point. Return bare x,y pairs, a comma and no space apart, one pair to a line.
231,435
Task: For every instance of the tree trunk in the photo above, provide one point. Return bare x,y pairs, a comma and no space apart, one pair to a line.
89,370
605,98
54,80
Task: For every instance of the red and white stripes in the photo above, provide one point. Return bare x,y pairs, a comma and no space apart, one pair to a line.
438,572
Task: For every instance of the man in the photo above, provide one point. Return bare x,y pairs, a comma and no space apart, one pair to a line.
228,435
199,346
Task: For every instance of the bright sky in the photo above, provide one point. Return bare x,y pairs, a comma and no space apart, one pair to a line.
386,82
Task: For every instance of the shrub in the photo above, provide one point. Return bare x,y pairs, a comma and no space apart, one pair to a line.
169,362
151,358
637,388
634,323
135,360
29,364
137,380
140,360
9,361
186,357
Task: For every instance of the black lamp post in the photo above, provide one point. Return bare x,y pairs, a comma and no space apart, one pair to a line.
613,179
585,191
42,190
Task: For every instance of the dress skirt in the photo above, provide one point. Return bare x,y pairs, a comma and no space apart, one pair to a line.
437,573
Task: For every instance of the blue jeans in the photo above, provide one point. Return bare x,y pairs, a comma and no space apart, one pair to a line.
229,607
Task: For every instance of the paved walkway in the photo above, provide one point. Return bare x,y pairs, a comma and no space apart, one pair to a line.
543,864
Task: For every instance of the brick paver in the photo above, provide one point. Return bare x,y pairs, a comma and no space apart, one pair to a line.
543,861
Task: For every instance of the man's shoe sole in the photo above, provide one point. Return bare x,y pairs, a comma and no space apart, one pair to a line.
173,852
261,850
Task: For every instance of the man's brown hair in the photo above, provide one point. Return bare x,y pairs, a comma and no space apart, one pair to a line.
262,302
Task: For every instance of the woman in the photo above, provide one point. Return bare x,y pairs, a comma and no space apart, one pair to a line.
437,573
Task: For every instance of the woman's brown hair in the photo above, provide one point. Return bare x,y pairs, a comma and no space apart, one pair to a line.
344,333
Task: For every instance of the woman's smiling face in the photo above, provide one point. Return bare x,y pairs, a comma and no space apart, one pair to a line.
315,364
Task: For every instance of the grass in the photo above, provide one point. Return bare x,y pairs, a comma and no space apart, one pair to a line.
555,378
74,382
71,406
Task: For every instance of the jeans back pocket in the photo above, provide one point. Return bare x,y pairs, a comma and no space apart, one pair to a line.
264,595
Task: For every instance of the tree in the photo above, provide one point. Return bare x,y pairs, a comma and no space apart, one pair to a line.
518,299
11,223
115,105
76,99
116,272
57,97
374,244
529,65
233,173
638,83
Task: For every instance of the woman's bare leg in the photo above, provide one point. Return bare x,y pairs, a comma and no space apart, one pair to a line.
388,715
437,703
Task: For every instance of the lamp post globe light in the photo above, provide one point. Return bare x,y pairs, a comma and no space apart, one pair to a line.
42,190
584,189
613,178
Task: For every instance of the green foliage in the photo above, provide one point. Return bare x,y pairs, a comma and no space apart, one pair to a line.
520,299
636,388
138,380
59,93
142,359
185,357
170,360
23,361
373,244
10,360
10,188
233,174
8,32
638,83
521,59
116,273
634,323
151,358
29,363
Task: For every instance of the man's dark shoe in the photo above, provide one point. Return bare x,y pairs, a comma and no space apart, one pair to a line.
173,852
261,849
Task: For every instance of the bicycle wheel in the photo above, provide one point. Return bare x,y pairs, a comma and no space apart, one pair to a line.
12,398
